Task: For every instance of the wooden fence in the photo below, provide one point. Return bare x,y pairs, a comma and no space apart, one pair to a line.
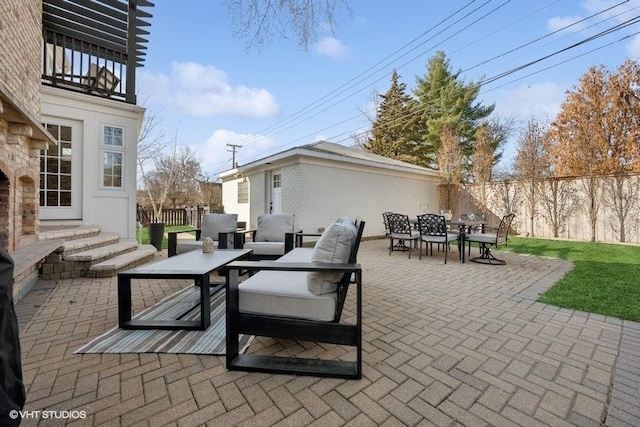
180,216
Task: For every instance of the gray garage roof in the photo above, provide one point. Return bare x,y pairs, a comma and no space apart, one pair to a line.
336,152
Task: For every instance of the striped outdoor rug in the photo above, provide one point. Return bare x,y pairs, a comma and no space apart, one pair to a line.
210,341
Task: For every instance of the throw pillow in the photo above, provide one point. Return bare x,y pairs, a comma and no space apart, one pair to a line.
334,246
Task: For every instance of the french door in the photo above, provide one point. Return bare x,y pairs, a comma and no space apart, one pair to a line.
61,172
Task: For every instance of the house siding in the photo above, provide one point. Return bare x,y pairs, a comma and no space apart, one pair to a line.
113,209
317,191
328,191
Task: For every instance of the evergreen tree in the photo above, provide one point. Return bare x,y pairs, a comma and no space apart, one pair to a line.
440,97
392,133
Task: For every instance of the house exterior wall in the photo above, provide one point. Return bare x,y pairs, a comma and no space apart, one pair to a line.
230,200
20,56
317,191
20,136
114,209
328,191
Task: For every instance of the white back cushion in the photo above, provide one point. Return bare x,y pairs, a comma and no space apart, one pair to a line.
273,227
214,224
334,246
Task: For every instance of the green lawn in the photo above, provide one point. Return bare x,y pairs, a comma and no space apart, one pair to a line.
605,279
143,234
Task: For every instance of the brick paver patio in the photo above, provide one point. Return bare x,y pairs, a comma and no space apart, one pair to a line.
445,345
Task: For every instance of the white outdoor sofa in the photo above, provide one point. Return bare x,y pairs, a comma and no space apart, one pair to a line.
300,296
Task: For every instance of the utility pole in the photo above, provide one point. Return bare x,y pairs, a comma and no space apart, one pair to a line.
234,148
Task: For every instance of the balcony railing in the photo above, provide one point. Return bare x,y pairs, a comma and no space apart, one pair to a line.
76,65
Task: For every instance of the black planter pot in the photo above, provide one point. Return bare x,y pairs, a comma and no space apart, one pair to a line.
156,234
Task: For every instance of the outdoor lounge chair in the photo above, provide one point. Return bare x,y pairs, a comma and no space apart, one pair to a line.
289,298
486,240
400,229
220,227
273,237
433,229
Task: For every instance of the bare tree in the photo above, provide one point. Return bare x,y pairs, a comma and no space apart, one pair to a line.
482,167
151,146
531,163
258,21
184,166
622,197
211,192
557,201
450,166
506,197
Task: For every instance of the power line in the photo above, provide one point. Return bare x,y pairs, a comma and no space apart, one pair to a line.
497,77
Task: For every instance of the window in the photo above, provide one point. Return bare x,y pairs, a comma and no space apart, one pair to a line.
277,180
113,136
112,169
112,156
243,192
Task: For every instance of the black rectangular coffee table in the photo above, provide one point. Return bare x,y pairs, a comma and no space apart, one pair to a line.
194,265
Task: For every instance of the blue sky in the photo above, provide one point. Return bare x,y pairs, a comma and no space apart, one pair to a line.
210,90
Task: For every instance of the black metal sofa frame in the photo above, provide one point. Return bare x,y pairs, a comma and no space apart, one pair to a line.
332,332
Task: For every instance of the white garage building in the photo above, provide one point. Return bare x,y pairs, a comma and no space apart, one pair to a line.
322,181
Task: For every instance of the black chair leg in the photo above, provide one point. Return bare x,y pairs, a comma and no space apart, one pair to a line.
486,257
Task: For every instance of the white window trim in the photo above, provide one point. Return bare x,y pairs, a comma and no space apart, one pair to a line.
108,148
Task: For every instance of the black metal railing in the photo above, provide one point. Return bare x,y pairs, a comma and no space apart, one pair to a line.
72,64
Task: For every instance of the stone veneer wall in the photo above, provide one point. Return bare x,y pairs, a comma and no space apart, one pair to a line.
20,143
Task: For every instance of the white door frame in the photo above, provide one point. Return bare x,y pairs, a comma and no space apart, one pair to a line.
74,211
274,193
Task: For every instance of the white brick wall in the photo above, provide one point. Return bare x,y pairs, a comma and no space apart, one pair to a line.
319,191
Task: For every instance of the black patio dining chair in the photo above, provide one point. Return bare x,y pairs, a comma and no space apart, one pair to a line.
433,229
400,229
487,240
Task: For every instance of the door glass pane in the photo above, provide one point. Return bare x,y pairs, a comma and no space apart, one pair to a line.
65,198
55,169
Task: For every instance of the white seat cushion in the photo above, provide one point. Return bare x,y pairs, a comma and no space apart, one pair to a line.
482,238
285,294
439,239
265,248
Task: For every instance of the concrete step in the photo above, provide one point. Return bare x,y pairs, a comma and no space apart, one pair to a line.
98,254
65,233
110,267
84,244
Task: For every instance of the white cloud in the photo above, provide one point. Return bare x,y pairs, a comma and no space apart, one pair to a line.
633,47
556,23
215,154
332,47
540,100
606,9
204,91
